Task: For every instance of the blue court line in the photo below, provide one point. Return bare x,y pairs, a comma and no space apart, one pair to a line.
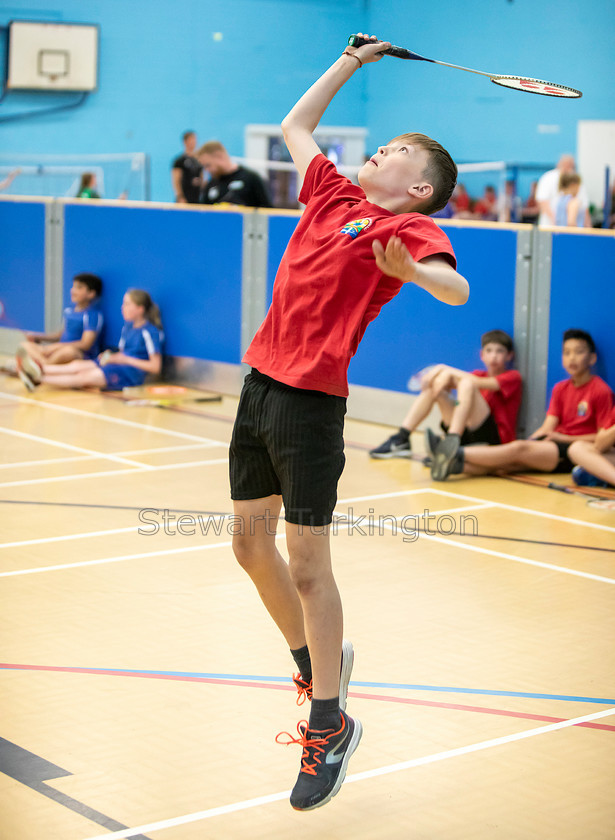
571,698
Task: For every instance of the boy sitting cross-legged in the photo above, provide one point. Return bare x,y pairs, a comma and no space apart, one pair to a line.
485,410
579,406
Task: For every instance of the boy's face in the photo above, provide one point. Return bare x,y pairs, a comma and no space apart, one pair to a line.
80,294
495,357
396,173
577,358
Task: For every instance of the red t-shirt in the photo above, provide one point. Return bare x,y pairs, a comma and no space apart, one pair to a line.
328,287
504,404
609,421
582,410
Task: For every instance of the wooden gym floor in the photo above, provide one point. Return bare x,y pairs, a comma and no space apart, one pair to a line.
143,684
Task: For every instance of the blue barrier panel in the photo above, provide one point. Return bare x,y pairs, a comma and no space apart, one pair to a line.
281,229
188,260
582,297
22,265
414,330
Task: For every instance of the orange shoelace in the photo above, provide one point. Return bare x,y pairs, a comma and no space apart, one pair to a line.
304,689
316,746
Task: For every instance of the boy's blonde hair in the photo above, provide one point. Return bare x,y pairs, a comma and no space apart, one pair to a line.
441,171
567,179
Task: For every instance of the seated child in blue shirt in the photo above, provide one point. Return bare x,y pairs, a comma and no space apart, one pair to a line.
81,331
138,355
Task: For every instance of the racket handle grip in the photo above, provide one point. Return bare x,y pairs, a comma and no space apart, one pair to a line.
561,487
396,52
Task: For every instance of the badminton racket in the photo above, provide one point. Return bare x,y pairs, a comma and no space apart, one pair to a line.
515,82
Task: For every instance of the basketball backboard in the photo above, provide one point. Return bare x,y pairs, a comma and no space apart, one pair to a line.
52,56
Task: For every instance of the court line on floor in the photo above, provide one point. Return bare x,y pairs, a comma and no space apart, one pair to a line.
285,684
155,450
92,415
218,517
105,473
85,563
517,508
45,461
347,525
49,442
357,777
201,516
523,560
151,451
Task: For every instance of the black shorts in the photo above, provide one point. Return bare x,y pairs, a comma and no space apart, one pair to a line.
289,442
487,433
564,464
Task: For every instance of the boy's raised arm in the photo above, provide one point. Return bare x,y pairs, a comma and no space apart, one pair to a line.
302,120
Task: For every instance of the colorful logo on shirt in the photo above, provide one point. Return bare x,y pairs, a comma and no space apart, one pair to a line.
582,409
353,229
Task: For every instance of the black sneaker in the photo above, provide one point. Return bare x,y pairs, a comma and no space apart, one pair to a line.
431,442
324,761
397,446
444,456
304,689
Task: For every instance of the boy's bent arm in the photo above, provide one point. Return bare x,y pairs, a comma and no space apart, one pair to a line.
434,274
302,120
605,439
549,424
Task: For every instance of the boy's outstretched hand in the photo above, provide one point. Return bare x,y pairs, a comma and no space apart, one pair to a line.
395,260
367,53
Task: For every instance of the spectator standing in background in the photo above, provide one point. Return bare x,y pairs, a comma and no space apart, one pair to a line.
230,183
186,172
547,192
87,186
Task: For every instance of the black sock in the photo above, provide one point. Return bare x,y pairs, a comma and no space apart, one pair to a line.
325,714
404,434
303,662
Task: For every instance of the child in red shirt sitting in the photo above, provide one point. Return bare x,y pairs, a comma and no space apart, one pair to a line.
595,461
579,406
485,410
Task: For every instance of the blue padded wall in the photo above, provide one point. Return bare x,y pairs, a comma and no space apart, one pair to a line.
22,265
281,228
414,330
188,260
582,296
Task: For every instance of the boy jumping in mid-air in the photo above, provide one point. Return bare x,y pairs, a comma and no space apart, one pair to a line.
485,410
352,251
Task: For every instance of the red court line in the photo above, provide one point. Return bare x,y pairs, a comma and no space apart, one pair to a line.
272,686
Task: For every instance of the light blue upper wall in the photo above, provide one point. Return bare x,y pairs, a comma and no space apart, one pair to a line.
569,42
161,72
